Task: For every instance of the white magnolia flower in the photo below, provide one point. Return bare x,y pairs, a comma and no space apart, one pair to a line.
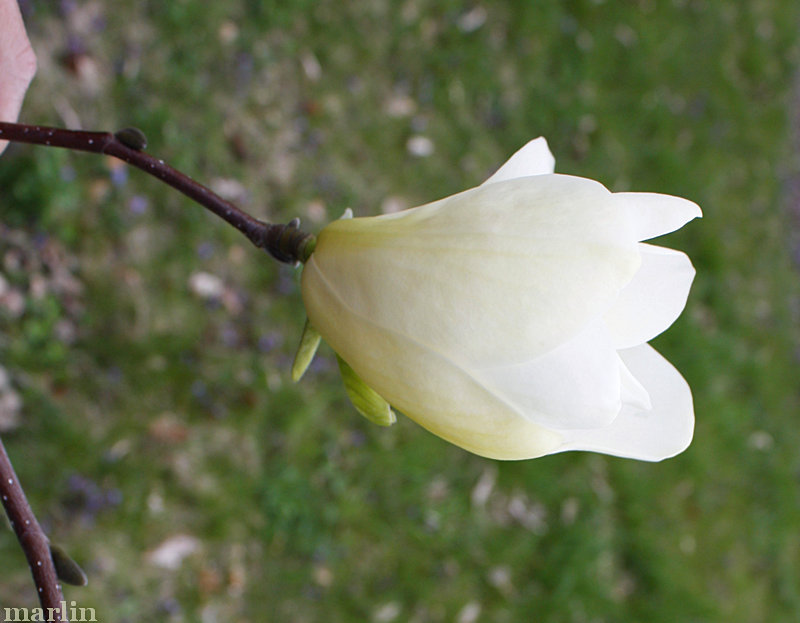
512,319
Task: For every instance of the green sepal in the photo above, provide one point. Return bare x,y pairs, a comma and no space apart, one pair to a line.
309,342
67,570
365,399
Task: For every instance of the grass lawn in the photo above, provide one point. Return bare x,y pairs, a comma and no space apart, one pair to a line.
160,438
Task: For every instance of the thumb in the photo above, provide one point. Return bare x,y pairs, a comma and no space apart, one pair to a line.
17,62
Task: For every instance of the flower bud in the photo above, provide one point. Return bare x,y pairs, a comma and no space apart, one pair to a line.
511,319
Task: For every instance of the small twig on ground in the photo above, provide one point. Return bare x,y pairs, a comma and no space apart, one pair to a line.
286,243
33,540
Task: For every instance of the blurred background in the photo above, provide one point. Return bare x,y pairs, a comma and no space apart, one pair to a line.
145,347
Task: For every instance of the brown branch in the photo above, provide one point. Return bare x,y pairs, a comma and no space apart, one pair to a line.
33,540
286,243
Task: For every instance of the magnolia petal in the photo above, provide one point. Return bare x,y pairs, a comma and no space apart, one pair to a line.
633,393
653,214
426,386
534,158
576,385
485,287
653,299
654,435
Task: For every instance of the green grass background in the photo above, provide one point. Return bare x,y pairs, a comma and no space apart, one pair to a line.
171,416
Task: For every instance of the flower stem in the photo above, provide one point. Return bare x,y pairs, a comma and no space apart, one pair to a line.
286,243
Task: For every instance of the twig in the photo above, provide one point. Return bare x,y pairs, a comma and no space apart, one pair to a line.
33,540
286,243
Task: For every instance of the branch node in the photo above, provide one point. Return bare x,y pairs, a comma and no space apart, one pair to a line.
132,137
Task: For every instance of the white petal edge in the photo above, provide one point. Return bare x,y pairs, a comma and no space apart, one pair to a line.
534,158
654,435
633,393
653,299
652,214
576,385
